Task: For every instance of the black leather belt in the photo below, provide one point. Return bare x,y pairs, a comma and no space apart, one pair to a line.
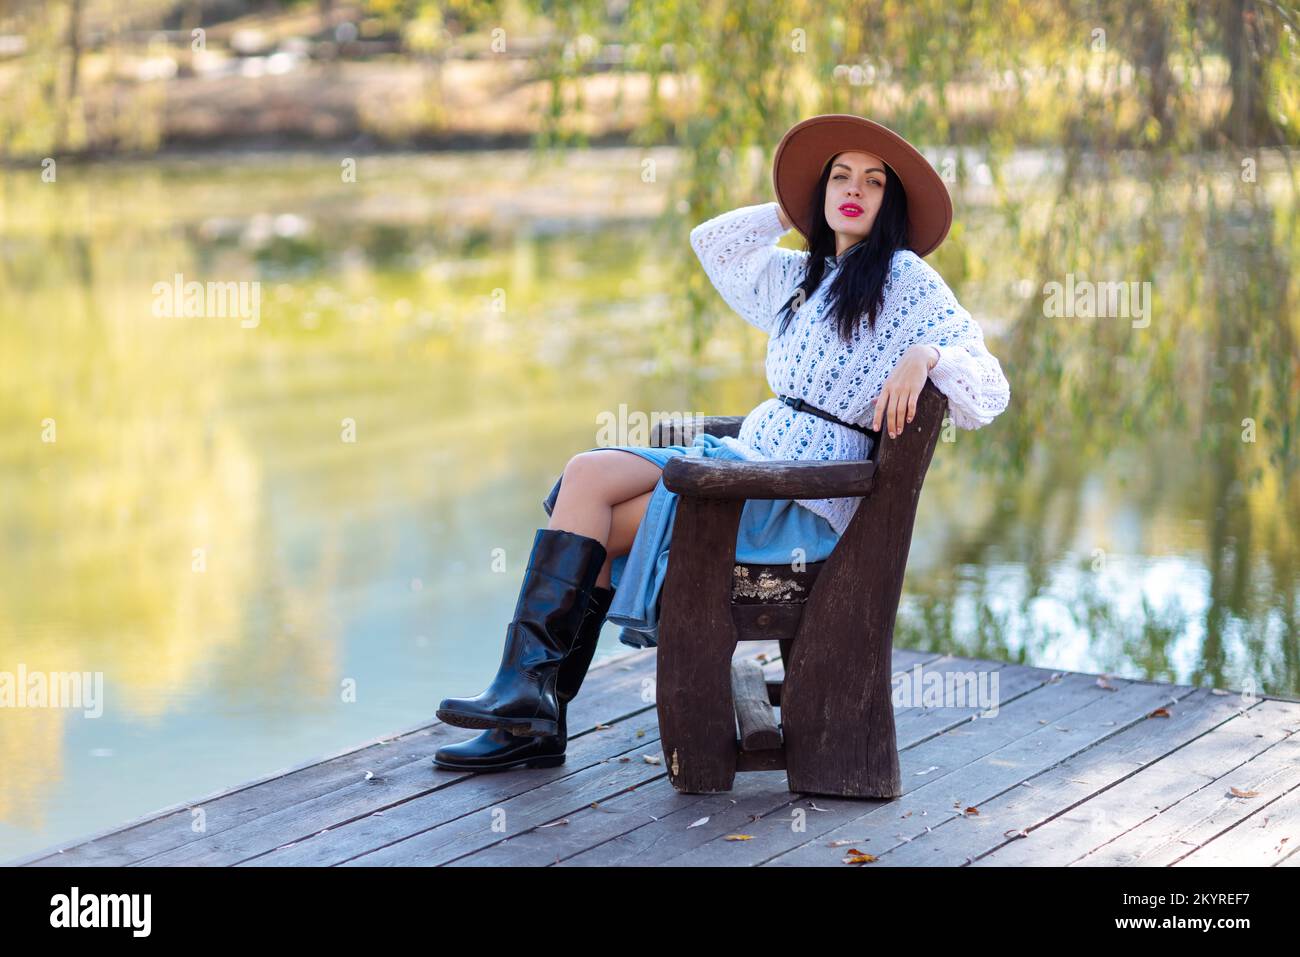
799,405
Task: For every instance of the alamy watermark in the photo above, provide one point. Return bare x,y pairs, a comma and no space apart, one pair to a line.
638,428
53,689
946,689
1086,299
179,299
75,909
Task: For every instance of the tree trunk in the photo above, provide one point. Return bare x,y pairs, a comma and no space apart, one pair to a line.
1247,45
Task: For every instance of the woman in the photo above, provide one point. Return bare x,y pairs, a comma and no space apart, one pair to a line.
855,325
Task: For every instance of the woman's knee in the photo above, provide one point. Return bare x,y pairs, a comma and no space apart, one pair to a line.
609,475
581,476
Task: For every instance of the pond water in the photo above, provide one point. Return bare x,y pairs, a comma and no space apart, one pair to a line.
283,532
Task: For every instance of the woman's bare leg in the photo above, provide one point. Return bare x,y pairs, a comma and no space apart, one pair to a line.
622,533
603,495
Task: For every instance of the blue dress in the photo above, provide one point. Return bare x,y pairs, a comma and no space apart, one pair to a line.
769,531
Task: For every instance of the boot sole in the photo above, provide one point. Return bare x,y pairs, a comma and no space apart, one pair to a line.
551,761
533,727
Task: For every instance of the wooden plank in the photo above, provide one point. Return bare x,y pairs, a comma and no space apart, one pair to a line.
656,798
1264,838
455,839
754,714
669,839
970,780
1030,803
938,772
1187,802
766,759
434,791
1191,773
1082,776
614,686
766,622
173,827
472,794
355,829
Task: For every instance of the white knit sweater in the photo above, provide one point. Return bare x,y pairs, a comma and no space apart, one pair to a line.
755,277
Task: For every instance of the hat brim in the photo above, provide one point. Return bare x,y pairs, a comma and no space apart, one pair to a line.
809,145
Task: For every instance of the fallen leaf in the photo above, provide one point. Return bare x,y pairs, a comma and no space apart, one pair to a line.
738,837
1103,683
972,811
813,805
603,727
933,767
857,857
624,758
369,775
1237,792
1159,713
641,733
563,820
652,759
846,841
703,820
1015,833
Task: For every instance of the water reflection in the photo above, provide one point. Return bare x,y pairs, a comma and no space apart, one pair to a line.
240,526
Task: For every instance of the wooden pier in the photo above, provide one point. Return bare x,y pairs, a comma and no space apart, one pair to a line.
1072,769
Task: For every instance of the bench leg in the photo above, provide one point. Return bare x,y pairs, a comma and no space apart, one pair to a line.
697,638
837,715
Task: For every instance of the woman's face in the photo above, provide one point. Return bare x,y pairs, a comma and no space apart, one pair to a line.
853,196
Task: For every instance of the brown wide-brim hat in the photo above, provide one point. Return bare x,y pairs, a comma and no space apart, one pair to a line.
809,145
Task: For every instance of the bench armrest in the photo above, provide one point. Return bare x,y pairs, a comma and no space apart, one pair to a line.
775,479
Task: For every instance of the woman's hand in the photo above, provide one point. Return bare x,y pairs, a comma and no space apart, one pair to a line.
897,398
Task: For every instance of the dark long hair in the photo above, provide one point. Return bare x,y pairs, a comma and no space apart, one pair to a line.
859,287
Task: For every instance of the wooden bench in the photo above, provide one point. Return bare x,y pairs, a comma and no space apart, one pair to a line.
834,619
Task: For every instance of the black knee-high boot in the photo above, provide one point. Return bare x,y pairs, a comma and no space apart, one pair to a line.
498,750
562,570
